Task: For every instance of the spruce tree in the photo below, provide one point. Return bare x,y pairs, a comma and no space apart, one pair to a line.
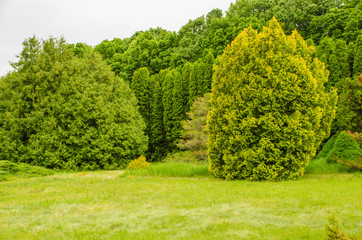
269,108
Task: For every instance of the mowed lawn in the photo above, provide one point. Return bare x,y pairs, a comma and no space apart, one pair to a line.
101,205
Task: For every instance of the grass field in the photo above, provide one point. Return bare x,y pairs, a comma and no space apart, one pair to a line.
103,205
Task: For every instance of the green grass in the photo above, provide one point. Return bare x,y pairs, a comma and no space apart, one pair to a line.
320,165
172,169
101,205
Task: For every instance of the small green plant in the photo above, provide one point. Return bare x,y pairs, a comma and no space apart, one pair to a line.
333,231
139,163
345,149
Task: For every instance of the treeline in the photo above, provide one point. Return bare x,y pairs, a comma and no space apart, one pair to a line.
177,67
64,106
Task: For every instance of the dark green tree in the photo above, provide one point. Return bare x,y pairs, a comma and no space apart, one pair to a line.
357,65
349,111
178,107
209,63
186,73
158,135
334,53
66,112
193,83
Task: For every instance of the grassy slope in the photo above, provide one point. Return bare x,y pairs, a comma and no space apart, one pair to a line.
100,205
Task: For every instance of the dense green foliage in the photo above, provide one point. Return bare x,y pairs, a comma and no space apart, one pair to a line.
269,109
66,112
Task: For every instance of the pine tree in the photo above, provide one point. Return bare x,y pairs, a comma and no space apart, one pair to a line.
269,108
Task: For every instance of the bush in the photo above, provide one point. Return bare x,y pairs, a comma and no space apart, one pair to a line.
345,149
270,111
327,148
139,163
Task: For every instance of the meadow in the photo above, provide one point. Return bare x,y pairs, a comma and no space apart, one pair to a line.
119,205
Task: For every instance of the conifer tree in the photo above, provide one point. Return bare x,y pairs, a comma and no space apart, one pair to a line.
167,101
157,140
178,113
186,73
209,63
193,84
200,79
269,108
141,87
66,112
334,53
357,65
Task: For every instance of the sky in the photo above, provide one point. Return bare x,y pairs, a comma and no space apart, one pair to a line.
91,21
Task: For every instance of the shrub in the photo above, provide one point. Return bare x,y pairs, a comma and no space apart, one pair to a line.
270,111
345,149
139,163
327,148
333,231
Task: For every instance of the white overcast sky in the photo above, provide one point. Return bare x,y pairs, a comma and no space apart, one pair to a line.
91,21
